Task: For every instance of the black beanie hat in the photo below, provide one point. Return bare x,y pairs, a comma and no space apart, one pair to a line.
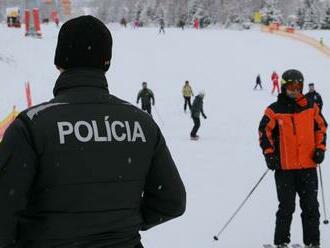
84,42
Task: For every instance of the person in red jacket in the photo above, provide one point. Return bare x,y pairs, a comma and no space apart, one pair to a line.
292,135
275,82
196,23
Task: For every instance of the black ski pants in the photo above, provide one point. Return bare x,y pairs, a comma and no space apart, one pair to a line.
147,108
305,184
187,101
258,84
197,124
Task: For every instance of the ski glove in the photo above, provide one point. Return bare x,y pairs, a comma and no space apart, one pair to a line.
318,156
272,161
204,116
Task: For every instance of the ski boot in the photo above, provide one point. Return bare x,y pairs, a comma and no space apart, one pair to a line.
284,245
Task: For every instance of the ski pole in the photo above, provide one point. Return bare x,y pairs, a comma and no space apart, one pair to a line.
160,118
216,237
325,221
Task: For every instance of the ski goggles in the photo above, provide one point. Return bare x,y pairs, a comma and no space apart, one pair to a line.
294,86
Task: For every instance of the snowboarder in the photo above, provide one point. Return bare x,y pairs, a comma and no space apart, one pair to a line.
187,94
147,98
258,82
196,111
85,169
314,96
292,135
162,26
275,83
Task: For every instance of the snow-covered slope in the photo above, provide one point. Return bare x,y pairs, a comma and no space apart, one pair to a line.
224,165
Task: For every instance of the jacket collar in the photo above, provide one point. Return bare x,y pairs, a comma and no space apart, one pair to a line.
284,99
80,77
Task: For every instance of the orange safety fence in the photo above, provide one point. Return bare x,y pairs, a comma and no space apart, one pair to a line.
4,124
293,34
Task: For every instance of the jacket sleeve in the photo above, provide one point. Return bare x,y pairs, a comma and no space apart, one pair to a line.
320,129
138,97
320,102
266,127
202,110
17,170
152,97
164,195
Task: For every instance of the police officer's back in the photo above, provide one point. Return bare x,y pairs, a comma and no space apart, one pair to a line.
85,169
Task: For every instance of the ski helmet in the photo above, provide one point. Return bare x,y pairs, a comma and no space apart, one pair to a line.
291,76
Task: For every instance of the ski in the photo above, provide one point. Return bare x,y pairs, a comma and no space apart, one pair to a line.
293,246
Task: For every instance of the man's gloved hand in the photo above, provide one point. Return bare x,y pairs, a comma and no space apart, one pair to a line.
272,161
204,116
318,156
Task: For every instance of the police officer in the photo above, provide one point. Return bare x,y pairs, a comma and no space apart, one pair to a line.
85,169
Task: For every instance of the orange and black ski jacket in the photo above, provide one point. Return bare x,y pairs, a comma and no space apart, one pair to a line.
293,129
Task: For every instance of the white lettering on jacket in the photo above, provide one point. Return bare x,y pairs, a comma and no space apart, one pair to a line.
86,131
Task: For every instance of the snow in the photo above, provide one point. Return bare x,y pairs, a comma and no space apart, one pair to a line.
317,34
223,166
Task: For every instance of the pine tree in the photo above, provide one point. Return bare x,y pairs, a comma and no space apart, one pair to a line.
271,12
317,14
326,20
301,18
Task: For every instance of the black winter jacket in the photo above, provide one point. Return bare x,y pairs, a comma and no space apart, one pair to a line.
197,107
85,169
146,96
315,98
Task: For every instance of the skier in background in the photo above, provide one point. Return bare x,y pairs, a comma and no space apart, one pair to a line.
123,22
181,24
196,23
147,98
275,83
187,93
258,82
292,135
162,26
196,111
314,96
